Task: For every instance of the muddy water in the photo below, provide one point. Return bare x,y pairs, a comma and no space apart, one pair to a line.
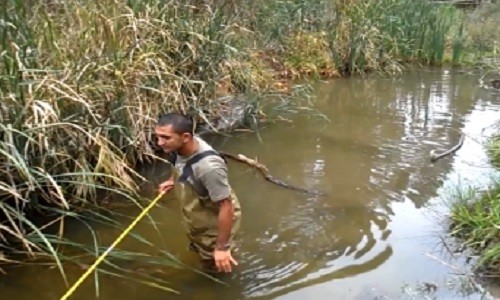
377,235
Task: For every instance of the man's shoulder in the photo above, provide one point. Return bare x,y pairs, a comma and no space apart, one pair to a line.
212,156
210,160
210,163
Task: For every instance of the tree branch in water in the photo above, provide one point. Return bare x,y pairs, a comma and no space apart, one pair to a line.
435,157
265,172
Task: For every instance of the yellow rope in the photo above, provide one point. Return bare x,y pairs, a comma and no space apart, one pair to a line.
118,240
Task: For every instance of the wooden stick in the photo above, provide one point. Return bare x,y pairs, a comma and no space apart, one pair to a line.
435,157
265,172
252,163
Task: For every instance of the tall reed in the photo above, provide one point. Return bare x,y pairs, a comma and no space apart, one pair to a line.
81,85
353,36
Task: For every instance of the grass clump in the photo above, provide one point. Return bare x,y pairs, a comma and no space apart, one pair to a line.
477,224
476,221
494,150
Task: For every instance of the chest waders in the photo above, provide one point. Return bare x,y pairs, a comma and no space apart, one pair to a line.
201,214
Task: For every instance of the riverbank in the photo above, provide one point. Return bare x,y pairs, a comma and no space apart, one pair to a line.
475,215
475,221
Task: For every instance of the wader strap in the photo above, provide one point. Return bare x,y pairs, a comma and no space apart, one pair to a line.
187,171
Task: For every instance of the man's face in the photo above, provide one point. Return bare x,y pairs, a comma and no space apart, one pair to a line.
169,140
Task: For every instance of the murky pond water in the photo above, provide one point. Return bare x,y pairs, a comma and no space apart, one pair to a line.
378,232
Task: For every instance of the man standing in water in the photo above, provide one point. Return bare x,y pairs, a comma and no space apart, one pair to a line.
210,208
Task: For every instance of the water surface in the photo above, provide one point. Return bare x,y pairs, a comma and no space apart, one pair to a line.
377,235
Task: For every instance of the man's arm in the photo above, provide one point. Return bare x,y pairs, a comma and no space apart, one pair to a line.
226,214
222,252
216,183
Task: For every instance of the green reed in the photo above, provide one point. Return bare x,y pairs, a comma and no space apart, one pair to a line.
476,223
475,219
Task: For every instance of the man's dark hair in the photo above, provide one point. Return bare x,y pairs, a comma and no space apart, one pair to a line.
180,123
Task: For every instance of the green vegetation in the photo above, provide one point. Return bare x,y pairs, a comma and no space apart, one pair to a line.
330,38
81,84
476,218
494,150
476,221
481,37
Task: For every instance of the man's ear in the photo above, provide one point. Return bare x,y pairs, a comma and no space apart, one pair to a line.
186,136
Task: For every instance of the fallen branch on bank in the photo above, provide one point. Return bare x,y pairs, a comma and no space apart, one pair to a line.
265,172
435,157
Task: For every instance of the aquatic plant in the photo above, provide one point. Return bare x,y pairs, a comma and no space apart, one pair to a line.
476,221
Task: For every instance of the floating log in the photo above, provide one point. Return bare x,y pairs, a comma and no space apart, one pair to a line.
265,172
435,157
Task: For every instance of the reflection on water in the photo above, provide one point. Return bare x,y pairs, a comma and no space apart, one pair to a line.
362,240
374,152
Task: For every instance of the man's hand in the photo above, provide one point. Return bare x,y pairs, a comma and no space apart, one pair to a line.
223,260
166,186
